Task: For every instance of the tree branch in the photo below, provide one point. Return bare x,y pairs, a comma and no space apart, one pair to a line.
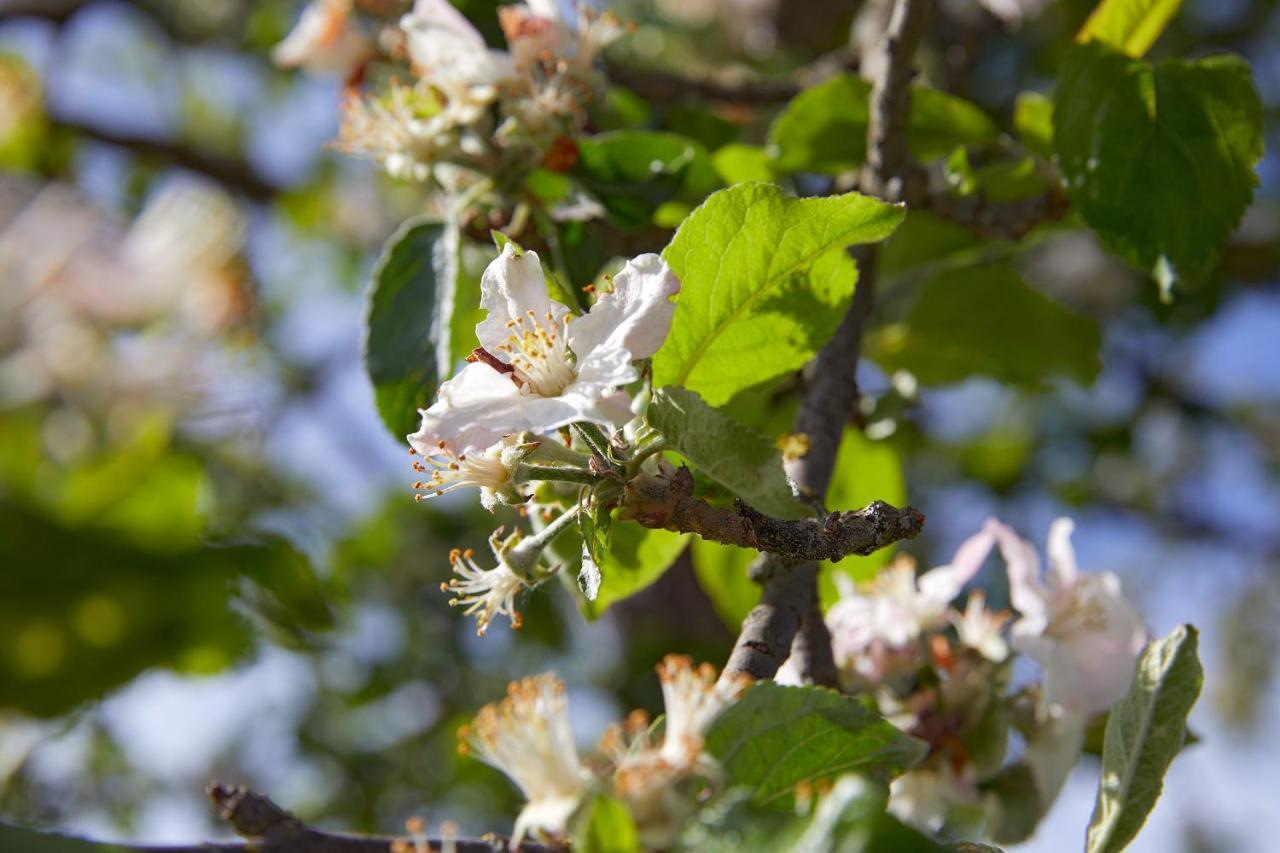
731,88
667,503
769,631
233,174
268,828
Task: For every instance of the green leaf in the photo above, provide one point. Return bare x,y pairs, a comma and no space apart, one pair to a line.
1159,159
764,282
738,162
1130,26
1145,731
606,827
775,737
722,574
1033,121
85,610
987,321
735,456
634,172
635,557
824,128
407,320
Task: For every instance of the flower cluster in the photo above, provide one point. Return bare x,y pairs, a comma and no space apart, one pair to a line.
943,674
468,114
529,738
94,316
539,368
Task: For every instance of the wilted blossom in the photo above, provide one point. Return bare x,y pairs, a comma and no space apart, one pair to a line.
528,737
649,777
1078,626
325,40
543,367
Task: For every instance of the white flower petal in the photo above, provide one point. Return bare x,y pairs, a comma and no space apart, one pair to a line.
635,316
1026,592
472,410
448,50
944,583
512,286
1062,557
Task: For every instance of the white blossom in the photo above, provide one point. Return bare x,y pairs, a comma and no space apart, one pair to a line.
1079,627
980,629
872,628
546,368
448,52
325,40
528,737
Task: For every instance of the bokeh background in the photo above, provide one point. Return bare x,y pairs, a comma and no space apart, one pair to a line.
210,562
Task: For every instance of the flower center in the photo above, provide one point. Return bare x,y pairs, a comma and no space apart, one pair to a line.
539,353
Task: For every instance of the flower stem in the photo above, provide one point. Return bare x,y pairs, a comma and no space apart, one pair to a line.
566,474
597,441
524,555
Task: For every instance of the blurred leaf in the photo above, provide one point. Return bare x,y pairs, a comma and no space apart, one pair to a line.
1145,730
621,109
764,281
738,162
1033,120
633,172
606,827
407,320
1000,181
864,471
1159,159
1129,26
722,574
83,611
1018,804
824,128
636,557
735,456
987,321
775,737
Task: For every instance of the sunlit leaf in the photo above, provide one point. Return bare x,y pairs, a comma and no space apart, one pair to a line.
764,281
1130,26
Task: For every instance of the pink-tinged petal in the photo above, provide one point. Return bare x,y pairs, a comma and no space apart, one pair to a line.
512,286
1062,557
1026,593
635,316
944,583
324,41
